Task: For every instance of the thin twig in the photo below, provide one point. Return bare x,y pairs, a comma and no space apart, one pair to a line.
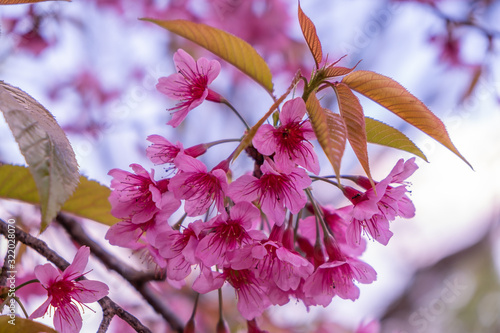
75,230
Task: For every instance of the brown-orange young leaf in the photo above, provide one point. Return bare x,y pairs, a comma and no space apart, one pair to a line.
330,132
229,47
394,97
311,37
354,120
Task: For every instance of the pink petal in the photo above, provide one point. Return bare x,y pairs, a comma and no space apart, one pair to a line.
189,164
181,112
77,267
92,291
264,140
42,309
123,233
307,130
362,272
46,274
242,189
406,208
67,319
245,213
293,111
184,62
208,68
207,281
170,86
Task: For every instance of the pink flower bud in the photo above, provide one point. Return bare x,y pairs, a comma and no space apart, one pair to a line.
197,150
190,326
222,326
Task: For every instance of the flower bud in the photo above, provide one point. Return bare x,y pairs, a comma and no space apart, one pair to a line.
222,326
197,150
190,326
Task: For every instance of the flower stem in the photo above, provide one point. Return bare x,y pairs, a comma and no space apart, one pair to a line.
26,283
218,142
317,212
326,181
22,307
237,113
220,304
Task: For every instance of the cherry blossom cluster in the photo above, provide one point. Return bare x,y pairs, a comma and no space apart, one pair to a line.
263,233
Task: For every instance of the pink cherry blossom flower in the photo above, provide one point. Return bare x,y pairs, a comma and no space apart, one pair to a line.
64,293
163,151
336,277
179,249
227,233
251,291
138,196
290,140
273,262
366,216
189,85
275,191
373,211
197,186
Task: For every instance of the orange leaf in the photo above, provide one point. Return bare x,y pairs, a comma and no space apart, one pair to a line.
309,32
394,97
16,2
229,47
330,132
385,135
332,71
354,119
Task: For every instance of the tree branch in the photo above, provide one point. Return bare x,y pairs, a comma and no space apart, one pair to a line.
137,279
109,307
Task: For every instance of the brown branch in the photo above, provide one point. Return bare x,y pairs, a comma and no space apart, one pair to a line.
137,279
75,230
109,308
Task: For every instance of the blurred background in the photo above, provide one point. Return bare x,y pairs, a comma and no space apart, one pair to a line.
94,66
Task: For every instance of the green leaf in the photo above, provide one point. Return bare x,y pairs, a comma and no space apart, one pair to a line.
229,47
22,325
394,97
45,147
311,37
354,120
330,132
16,2
90,200
385,135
